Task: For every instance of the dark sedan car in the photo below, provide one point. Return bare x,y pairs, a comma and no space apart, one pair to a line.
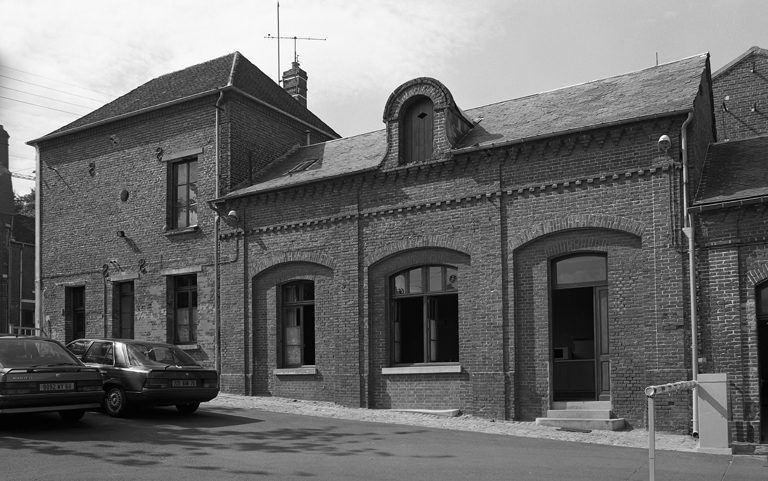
38,375
146,373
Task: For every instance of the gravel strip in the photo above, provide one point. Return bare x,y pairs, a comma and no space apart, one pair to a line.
636,438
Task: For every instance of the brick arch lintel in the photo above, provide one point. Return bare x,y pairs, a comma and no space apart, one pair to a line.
587,221
417,242
757,275
286,257
439,94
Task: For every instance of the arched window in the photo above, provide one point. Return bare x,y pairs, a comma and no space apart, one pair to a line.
424,305
298,319
417,131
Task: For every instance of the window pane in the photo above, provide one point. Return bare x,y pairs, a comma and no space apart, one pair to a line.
308,291
193,192
400,284
290,293
414,277
291,317
293,355
182,300
435,279
182,281
181,173
193,214
451,279
574,270
181,217
192,171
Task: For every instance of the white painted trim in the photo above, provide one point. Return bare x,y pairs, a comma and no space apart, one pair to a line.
181,270
182,154
453,369
124,276
296,371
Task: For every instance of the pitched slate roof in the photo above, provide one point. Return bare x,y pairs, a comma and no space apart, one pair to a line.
233,69
734,171
727,67
665,89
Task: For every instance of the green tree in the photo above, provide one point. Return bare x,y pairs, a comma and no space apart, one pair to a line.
25,204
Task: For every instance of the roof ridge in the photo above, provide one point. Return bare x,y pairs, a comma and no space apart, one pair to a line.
750,51
589,82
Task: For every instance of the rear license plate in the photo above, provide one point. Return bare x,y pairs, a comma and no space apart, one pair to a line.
184,383
57,386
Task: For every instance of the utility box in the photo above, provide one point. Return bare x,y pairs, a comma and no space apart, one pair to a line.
714,414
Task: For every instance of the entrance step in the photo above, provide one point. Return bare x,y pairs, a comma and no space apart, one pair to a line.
587,415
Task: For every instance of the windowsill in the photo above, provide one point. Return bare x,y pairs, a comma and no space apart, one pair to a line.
188,347
423,369
183,230
296,371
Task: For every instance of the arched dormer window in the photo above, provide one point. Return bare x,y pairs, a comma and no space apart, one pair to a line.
417,131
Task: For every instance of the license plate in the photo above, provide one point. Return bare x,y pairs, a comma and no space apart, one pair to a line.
57,386
184,383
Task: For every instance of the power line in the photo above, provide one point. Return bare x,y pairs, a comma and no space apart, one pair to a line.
65,83
37,105
50,88
44,97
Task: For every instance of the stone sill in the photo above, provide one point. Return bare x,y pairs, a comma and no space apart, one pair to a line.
296,371
453,369
185,230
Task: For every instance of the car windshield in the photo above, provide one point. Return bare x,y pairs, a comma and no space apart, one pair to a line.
153,354
20,352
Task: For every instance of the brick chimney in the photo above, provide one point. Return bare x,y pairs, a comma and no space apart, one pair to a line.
295,83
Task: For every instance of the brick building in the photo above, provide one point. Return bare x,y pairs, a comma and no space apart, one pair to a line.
732,242
502,260
17,254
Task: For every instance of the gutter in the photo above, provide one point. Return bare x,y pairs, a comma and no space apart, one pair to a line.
763,199
493,145
39,312
690,233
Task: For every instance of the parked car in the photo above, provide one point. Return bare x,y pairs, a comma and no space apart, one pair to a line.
38,375
145,373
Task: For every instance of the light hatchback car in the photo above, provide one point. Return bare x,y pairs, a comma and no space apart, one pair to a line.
145,373
38,375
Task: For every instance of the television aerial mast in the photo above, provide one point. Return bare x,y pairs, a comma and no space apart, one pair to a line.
278,38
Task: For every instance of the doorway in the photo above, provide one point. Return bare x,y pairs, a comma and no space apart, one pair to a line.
580,337
762,354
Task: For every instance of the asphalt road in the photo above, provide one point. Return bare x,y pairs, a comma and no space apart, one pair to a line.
222,444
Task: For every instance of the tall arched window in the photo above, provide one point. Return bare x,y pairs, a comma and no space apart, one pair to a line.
417,131
298,316
424,308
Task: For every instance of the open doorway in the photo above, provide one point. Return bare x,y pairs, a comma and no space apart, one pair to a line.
762,352
580,355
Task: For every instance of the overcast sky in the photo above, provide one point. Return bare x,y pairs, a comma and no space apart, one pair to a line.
60,59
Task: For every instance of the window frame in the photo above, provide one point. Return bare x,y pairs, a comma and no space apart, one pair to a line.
190,187
192,304
299,305
429,305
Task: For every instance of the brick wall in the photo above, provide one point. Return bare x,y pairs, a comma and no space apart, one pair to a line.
745,84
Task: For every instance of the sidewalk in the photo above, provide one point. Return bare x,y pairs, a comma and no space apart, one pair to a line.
637,438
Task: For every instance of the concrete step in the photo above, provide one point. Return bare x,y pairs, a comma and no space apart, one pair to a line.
591,405
616,424
580,413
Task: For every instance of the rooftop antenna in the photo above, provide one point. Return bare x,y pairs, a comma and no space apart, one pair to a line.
278,38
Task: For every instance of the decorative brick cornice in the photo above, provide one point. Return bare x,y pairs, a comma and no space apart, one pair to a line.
584,221
272,260
418,242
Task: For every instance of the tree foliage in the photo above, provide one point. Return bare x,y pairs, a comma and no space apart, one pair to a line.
25,204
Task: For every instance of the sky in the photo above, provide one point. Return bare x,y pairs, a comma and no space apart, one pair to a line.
61,59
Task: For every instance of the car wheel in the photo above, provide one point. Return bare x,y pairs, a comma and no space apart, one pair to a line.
115,402
187,408
72,415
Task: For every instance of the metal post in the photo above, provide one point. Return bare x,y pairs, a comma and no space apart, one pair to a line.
651,440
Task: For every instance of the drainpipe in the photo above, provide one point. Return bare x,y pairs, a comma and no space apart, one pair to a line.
38,257
688,230
216,307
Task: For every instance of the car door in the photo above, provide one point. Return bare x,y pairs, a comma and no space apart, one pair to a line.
101,354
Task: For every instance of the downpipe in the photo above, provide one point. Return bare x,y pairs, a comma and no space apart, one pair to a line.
216,286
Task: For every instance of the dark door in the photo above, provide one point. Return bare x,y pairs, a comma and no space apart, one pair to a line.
125,311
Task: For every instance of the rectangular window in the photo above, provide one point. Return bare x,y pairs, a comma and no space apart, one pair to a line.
184,194
185,309
298,317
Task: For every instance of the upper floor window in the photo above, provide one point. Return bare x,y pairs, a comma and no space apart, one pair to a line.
184,193
298,311
417,131
424,313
